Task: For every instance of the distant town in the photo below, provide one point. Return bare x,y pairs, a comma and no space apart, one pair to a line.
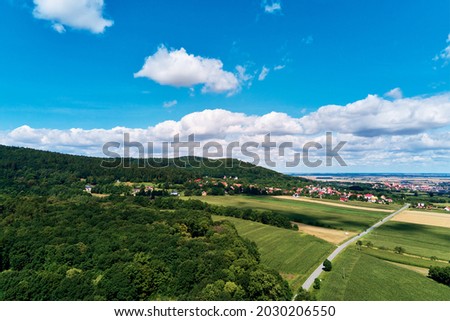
436,183
422,192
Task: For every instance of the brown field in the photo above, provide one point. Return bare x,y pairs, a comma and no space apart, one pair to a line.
303,199
327,234
100,195
424,218
289,276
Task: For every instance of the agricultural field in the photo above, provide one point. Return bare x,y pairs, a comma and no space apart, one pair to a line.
356,204
420,270
441,204
310,213
416,239
410,260
424,218
293,254
433,210
358,276
99,195
330,235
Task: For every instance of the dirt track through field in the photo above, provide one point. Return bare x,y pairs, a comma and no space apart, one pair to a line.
420,270
327,234
424,218
303,199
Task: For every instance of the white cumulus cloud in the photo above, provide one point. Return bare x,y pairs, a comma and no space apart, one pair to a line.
445,53
395,93
59,28
180,69
375,116
264,73
272,7
171,103
77,14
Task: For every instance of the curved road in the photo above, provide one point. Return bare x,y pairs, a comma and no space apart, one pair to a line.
343,246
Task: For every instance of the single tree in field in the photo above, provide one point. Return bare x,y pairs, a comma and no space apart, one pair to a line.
399,250
327,266
359,244
369,244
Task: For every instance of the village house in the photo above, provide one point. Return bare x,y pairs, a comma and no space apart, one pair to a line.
420,205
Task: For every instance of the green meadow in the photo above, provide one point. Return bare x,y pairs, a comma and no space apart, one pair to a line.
417,239
304,212
389,255
357,276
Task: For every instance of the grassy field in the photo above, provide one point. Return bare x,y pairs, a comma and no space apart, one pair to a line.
441,204
358,276
423,218
303,212
402,259
416,239
293,254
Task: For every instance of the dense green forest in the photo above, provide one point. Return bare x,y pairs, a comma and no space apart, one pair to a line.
125,249
58,242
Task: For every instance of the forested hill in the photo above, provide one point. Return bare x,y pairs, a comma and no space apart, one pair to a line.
58,242
21,169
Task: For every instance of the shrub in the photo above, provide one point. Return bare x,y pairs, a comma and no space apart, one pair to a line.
304,295
316,284
327,266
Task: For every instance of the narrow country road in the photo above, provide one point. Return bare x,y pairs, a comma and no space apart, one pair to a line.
344,245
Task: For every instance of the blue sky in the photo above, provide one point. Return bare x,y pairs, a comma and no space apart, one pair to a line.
61,72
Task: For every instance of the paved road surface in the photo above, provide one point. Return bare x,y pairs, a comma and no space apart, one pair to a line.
342,247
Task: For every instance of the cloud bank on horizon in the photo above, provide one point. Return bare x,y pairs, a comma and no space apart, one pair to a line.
378,130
